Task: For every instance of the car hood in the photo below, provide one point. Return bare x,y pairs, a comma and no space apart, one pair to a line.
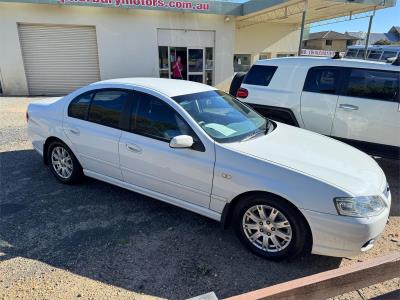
318,156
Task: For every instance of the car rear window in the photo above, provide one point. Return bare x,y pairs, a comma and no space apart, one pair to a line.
260,75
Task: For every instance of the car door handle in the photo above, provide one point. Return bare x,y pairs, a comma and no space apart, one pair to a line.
74,131
348,107
133,148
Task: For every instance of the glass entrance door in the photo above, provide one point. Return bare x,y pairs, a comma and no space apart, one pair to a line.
195,65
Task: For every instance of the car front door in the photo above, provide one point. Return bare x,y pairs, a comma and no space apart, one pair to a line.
92,124
147,160
319,98
368,110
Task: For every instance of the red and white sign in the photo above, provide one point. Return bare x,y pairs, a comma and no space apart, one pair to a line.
311,52
171,4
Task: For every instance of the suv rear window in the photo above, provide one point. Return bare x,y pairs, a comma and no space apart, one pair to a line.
260,75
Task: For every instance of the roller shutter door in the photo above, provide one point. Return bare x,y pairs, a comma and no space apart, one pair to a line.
58,59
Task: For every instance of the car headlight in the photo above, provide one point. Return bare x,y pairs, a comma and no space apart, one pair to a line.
363,206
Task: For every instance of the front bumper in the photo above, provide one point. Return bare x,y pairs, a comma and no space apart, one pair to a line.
342,236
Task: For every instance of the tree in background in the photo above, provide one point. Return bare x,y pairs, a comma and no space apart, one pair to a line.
382,42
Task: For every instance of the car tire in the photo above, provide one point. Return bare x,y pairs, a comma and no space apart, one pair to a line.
283,237
63,163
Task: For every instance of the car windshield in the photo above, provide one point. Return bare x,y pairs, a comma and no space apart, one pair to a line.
223,117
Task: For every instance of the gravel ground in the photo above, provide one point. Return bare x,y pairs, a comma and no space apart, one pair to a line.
95,240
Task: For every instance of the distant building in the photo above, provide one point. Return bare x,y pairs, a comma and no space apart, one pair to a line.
392,36
329,40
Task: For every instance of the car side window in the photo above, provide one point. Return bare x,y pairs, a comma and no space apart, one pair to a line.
322,80
373,84
78,108
106,107
155,118
260,75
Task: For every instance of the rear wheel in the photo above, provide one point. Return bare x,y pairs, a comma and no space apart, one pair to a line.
63,163
270,227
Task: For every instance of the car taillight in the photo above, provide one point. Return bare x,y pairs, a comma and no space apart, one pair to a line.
27,117
242,93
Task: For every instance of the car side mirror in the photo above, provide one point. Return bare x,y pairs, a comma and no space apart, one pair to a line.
181,141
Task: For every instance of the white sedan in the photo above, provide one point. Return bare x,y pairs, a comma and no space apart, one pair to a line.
285,190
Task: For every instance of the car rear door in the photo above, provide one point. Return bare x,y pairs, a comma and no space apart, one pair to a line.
92,124
368,109
319,98
147,160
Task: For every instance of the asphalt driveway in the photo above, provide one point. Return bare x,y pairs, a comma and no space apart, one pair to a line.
136,243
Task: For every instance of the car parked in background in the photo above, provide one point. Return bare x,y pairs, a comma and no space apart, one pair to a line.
285,190
355,101
375,52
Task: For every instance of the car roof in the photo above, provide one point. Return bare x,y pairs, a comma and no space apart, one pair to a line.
327,61
168,87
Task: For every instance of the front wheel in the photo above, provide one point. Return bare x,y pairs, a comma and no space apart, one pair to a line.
63,163
270,227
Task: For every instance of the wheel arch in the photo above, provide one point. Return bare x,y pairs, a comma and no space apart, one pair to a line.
226,216
48,142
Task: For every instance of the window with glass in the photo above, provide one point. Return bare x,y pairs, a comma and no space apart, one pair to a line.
360,54
374,84
322,80
241,62
328,42
107,106
78,107
222,117
260,75
156,119
351,53
163,62
388,54
195,60
374,54
209,66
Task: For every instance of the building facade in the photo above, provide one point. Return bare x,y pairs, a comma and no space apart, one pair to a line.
51,47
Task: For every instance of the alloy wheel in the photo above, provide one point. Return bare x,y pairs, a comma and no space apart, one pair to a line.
62,162
267,228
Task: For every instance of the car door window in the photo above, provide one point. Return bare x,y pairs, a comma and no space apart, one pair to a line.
78,107
322,80
373,84
155,118
106,107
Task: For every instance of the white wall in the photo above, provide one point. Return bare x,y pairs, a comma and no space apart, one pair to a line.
127,39
267,37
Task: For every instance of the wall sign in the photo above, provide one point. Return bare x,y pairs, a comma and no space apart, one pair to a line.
311,52
168,4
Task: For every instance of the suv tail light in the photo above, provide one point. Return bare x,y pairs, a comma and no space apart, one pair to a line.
242,93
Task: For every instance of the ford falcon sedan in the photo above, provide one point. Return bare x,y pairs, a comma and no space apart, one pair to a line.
285,190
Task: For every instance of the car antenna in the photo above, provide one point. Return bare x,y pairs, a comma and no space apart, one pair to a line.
337,55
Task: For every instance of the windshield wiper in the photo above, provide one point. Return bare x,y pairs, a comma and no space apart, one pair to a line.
253,134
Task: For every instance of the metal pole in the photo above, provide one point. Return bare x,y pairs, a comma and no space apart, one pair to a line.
368,33
303,20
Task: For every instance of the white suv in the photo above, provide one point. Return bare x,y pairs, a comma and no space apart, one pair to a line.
354,101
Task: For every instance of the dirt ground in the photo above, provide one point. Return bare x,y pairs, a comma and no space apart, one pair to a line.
98,241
